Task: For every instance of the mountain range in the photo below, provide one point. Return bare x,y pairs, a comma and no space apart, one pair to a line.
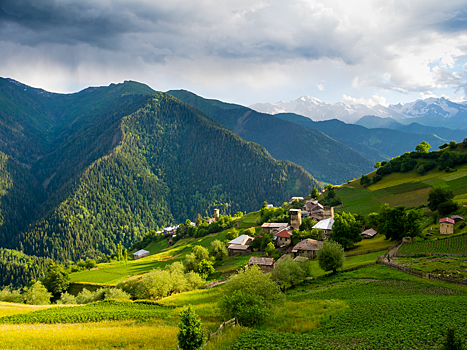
80,172
430,111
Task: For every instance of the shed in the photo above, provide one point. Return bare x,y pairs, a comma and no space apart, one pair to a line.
370,233
266,264
308,247
140,254
238,249
446,226
273,227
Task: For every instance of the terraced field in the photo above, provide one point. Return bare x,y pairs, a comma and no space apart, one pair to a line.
450,245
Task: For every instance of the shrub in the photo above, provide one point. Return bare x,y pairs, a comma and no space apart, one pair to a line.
190,335
11,295
219,251
67,299
116,294
250,296
288,272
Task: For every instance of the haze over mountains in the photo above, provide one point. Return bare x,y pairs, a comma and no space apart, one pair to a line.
426,112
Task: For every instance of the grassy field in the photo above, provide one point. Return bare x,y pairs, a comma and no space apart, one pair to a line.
409,189
7,309
112,273
350,262
377,242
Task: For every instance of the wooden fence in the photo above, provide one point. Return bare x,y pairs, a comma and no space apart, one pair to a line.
232,322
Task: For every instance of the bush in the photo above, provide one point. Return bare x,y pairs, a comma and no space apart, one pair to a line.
116,294
190,335
288,272
67,299
37,294
11,295
331,256
250,296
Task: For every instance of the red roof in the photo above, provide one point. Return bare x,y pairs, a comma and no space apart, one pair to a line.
284,233
448,220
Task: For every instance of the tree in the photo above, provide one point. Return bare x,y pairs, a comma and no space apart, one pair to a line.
423,147
365,181
288,272
315,193
377,165
396,223
37,294
57,279
346,230
91,263
250,296
270,249
199,220
331,256
441,200
231,234
200,252
219,251
205,268
190,333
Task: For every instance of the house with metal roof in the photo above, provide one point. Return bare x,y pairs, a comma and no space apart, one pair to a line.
283,238
273,227
370,233
325,225
140,254
240,245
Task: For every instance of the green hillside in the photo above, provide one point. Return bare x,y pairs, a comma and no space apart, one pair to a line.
407,188
120,161
322,156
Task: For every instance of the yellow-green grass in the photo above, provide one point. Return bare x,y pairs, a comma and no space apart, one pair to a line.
377,242
225,338
112,273
234,262
103,335
7,309
350,262
248,220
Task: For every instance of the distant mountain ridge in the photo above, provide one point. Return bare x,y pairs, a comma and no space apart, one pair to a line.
453,114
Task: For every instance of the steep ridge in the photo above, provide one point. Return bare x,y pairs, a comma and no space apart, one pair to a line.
323,157
127,162
375,144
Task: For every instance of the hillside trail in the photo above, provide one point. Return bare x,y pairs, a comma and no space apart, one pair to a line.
390,255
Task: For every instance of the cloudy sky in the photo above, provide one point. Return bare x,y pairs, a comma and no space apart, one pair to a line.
242,51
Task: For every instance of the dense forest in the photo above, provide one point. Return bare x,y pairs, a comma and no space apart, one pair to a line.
322,156
81,172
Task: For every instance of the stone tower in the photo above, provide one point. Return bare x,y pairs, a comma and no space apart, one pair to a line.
216,214
295,218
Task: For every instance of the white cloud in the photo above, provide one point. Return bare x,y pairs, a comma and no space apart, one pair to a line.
371,102
320,87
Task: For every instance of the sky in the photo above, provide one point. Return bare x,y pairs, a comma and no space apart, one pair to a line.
242,51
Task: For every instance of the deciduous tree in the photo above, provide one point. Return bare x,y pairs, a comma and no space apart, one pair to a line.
331,256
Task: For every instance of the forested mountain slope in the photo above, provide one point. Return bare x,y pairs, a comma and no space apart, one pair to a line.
118,161
323,157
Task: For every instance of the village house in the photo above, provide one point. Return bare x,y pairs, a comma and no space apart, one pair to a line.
314,210
370,233
273,227
446,226
283,238
293,199
325,226
140,254
265,264
308,247
240,245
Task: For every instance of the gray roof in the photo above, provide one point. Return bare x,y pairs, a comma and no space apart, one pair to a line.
370,232
240,239
274,224
307,244
256,260
325,224
239,247
141,252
